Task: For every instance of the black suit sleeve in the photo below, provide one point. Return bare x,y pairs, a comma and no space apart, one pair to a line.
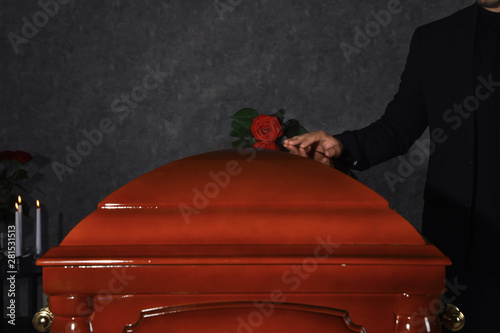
402,124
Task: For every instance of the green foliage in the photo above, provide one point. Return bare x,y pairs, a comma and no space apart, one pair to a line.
239,130
242,121
9,181
293,128
280,114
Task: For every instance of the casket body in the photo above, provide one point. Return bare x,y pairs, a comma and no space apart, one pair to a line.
244,241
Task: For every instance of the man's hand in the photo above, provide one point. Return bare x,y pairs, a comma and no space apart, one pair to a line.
317,145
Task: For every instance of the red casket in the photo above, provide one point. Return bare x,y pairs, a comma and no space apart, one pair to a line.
244,241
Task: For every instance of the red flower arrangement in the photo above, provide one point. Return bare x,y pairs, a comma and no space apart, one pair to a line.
263,131
21,156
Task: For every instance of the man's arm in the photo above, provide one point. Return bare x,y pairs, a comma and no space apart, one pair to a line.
393,134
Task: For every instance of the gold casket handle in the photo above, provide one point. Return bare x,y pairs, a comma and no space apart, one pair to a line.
42,320
452,319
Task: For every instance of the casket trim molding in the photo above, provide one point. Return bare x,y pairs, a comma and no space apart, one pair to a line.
122,256
170,310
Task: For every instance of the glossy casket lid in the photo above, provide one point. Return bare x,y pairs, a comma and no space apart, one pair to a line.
243,197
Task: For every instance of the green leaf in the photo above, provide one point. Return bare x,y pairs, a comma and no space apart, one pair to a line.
245,113
280,114
245,117
237,126
239,131
245,123
237,134
8,202
6,187
21,187
293,128
22,174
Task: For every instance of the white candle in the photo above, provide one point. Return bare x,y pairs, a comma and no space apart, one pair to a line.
18,243
38,244
20,224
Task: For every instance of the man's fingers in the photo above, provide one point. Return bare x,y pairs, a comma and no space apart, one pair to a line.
297,151
309,141
317,145
312,154
294,150
296,140
334,151
304,140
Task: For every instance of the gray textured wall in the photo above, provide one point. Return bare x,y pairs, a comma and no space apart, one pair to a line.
63,78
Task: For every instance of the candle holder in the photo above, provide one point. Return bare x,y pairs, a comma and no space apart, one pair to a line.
23,268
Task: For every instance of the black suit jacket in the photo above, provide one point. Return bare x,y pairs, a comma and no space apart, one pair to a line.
436,90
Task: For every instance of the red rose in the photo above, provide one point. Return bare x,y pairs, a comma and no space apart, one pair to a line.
23,156
270,145
7,155
266,128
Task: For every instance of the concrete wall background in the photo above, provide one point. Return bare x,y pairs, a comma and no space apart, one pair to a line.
62,78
